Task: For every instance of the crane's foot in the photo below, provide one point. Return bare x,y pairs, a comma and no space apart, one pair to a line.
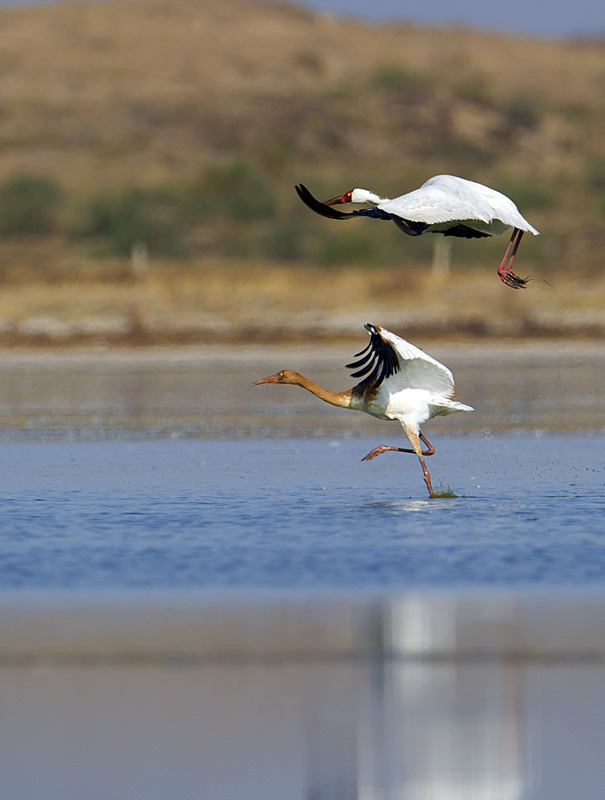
508,277
382,448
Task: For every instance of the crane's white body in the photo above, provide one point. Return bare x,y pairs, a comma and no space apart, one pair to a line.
421,389
445,200
400,382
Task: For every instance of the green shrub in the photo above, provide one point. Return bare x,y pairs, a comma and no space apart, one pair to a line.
396,78
236,190
29,205
594,173
527,194
120,219
523,110
379,245
287,241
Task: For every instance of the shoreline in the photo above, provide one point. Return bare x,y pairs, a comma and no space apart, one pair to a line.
235,305
121,332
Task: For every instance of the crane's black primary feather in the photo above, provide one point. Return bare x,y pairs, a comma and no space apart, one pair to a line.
463,232
379,362
367,357
409,226
361,352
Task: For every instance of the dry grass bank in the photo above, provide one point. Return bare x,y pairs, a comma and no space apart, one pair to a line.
270,304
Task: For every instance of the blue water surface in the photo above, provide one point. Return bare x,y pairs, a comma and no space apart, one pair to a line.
302,513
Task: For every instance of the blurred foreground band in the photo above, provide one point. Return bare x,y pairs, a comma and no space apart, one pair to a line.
423,694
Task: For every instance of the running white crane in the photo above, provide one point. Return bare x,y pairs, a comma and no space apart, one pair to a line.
444,204
400,382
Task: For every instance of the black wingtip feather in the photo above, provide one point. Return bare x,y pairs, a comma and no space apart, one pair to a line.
361,352
380,362
368,357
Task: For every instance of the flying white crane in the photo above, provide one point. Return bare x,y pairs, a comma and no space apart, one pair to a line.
444,204
400,382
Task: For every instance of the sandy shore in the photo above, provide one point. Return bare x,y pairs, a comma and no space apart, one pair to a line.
271,304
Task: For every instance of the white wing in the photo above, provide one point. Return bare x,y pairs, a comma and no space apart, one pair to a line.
496,205
418,370
446,198
433,205
393,363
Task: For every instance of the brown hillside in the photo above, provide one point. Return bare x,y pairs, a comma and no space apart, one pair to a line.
207,106
133,91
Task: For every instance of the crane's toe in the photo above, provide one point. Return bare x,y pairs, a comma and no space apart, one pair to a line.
382,448
510,279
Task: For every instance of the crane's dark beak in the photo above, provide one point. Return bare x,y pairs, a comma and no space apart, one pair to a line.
334,201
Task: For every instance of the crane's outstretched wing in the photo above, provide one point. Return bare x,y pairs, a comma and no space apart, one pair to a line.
389,356
432,205
500,209
411,227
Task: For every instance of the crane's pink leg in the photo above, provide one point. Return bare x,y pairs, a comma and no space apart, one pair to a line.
505,270
413,437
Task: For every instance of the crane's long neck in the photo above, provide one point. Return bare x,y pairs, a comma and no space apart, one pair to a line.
341,399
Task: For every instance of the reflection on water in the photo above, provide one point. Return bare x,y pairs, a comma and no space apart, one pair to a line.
420,696
207,392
